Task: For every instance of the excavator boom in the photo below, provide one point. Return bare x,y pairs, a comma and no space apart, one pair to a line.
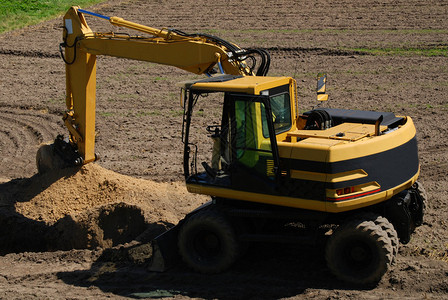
195,53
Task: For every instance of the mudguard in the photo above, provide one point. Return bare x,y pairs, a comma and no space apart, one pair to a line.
406,212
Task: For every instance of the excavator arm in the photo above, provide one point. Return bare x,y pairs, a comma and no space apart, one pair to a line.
195,53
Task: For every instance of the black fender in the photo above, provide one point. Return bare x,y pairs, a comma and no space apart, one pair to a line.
405,212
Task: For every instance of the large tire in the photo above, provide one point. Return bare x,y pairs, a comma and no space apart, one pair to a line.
207,242
388,227
359,252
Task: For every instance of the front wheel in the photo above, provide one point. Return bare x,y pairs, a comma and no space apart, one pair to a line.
359,252
207,242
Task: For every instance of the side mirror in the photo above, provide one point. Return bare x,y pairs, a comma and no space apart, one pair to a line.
321,87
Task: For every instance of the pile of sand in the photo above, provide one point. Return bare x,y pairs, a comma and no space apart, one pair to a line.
89,207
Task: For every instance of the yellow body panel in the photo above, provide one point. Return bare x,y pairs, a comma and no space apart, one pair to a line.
256,197
324,177
311,149
345,132
324,146
375,144
252,85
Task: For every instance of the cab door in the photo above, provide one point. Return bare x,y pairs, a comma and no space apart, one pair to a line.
248,143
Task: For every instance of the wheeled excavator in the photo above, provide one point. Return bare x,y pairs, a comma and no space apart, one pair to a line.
344,177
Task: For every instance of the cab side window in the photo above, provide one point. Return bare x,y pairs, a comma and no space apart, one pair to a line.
281,114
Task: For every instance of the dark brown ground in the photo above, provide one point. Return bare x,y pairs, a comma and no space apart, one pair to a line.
138,134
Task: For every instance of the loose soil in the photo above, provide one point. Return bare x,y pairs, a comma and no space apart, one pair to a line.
82,233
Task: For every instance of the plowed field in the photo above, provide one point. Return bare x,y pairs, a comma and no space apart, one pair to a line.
108,210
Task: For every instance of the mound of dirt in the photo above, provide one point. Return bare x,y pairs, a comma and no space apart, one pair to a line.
104,227
88,207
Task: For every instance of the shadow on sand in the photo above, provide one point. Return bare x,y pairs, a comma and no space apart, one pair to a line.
264,272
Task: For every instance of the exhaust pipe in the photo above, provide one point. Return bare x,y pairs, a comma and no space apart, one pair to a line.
378,125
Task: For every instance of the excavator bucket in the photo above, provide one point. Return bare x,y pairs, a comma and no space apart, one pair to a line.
164,250
57,155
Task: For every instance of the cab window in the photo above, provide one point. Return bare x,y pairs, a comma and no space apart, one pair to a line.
281,114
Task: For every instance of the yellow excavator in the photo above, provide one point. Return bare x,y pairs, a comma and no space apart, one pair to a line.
344,177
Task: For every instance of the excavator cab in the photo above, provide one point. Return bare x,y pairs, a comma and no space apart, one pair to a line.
245,153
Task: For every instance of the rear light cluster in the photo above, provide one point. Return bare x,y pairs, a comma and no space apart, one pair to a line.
352,192
345,191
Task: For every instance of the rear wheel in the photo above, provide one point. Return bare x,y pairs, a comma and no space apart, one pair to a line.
387,226
391,233
359,252
207,242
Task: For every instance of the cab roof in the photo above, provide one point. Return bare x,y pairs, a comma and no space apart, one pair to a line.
252,85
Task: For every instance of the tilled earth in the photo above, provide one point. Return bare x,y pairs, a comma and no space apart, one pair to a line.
139,141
